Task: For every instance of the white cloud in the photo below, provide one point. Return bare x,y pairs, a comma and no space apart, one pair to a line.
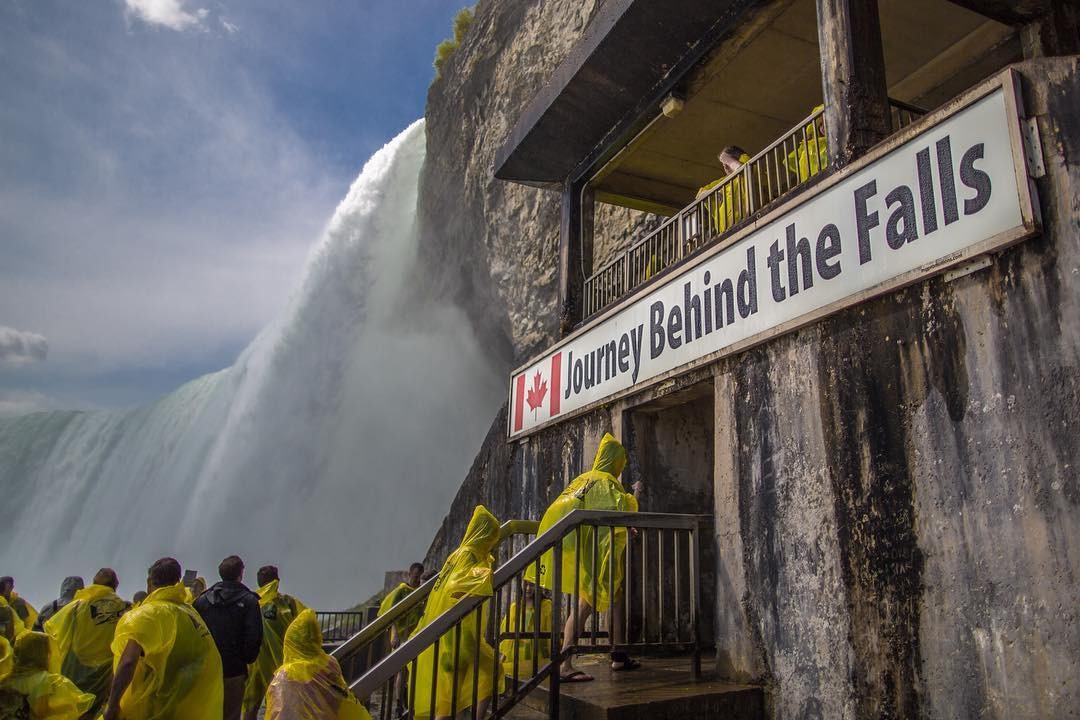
18,347
231,28
170,13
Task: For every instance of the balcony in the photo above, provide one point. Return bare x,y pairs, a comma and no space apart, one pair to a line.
788,163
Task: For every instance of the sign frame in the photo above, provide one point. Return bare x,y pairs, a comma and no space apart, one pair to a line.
1008,81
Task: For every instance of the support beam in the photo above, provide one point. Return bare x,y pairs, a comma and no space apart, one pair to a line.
575,252
852,77
1056,32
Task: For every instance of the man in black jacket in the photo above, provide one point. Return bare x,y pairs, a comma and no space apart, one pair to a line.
231,611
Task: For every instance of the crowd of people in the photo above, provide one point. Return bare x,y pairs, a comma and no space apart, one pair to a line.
185,651
176,651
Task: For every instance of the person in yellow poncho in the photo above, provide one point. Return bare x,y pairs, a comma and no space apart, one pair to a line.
26,612
83,633
309,685
278,612
467,571
7,659
728,206
403,627
527,647
10,625
33,692
166,664
811,153
597,489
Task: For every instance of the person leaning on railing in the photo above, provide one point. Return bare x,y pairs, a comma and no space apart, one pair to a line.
811,153
726,207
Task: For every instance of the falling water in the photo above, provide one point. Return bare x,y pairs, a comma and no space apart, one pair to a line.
331,448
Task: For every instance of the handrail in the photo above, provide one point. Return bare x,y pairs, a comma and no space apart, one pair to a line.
389,667
381,624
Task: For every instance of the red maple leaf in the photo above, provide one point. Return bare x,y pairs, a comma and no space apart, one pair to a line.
536,393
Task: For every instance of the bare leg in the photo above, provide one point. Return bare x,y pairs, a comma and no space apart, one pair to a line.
571,630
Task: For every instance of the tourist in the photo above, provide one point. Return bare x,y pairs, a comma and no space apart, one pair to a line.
166,664
467,572
26,612
278,612
10,624
403,626
83,632
138,597
728,206
31,691
231,611
597,489
309,684
521,619
811,154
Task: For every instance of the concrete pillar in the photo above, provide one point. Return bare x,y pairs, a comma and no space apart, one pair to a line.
575,252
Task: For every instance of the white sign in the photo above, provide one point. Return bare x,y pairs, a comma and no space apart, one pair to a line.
911,213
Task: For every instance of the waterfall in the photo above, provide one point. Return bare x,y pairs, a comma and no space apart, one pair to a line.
331,448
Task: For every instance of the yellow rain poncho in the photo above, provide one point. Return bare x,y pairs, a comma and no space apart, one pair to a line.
7,659
407,622
11,626
25,610
278,612
811,154
525,648
728,207
597,489
309,685
83,633
179,674
467,571
32,688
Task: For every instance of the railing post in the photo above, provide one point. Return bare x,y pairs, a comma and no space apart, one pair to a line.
556,631
695,597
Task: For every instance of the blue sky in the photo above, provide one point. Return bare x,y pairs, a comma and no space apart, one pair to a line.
165,165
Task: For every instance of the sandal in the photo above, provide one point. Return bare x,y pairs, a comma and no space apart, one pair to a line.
576,676
624,662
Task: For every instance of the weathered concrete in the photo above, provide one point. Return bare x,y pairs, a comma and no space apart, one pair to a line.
894,488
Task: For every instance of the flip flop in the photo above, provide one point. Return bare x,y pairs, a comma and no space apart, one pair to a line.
576,676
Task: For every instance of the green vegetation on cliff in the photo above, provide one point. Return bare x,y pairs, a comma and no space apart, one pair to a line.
446,48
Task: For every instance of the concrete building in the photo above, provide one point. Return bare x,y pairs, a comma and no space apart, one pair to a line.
858,352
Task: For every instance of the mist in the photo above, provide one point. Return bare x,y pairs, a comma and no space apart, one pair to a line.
331,448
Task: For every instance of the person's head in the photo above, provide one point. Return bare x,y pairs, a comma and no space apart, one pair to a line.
529,590
107,577
416,574
71,585
231,569
32,651
199,586
267,574
138,597
163,573
7,584
729,158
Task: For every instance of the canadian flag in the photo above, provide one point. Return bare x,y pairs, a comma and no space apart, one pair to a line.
532,388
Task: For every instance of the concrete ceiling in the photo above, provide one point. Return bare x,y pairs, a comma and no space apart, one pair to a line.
765,78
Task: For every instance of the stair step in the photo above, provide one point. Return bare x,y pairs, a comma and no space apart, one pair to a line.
661,689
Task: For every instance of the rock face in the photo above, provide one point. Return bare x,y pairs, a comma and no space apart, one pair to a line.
894,488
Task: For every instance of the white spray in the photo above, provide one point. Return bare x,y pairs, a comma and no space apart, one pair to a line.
331,448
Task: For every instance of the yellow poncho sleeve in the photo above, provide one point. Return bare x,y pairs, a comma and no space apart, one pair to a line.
601,558
179,674
309,685
467,571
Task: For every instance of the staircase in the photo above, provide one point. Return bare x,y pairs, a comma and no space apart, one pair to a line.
655,615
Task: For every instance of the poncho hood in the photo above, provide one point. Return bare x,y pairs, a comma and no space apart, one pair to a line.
610,456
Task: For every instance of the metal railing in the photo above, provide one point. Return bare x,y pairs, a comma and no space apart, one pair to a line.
654,607
339,626
788,163
371,643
